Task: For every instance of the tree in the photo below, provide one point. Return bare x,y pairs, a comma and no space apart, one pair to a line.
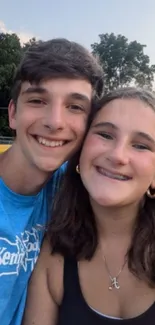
5,131
124,62
32,41
10,55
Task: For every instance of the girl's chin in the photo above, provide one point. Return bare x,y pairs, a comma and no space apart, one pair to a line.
106,202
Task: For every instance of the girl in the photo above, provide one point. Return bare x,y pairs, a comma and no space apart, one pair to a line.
102,236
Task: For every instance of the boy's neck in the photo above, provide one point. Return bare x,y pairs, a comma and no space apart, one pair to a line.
20,177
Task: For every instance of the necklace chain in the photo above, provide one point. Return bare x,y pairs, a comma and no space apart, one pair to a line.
114,280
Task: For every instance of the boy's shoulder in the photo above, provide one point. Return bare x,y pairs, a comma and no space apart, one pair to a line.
58,174
2,154
54,183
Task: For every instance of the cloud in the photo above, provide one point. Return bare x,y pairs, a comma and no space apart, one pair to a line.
23,36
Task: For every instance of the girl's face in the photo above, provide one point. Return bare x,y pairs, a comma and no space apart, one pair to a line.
117,163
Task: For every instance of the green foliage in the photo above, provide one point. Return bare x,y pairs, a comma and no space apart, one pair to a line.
124,62
29,43
5,131
11,53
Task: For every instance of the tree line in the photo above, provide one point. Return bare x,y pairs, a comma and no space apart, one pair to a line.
124,63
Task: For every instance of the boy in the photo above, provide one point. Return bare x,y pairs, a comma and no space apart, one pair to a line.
51,101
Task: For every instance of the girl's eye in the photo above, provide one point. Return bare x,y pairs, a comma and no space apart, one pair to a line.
140,146
106,136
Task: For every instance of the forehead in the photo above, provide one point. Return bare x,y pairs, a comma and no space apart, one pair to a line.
59,87
127,114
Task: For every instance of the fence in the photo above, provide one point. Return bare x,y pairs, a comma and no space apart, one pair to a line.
6,140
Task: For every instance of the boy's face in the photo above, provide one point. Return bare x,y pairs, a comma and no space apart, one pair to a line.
50,120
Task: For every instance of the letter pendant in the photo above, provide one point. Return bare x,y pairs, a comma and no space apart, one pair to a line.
114,284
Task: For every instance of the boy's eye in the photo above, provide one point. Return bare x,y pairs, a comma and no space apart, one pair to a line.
36,101
75,107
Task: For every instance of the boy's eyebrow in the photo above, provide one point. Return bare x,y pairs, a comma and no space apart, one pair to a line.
31,90
79,96
42,90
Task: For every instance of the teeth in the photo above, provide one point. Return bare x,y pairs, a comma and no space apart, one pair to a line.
114,176
48,143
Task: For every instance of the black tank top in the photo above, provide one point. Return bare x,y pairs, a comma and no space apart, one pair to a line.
75,311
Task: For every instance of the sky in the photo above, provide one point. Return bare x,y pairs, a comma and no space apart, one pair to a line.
80,20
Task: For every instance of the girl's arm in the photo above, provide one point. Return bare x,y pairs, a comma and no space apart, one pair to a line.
41,309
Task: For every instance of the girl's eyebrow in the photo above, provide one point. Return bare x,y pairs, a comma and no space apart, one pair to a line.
103,124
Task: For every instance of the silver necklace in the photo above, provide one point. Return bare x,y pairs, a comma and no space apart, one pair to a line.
114,280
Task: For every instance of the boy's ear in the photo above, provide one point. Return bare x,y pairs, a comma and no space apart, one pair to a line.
12,114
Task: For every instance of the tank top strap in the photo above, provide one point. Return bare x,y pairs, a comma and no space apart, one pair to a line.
70,278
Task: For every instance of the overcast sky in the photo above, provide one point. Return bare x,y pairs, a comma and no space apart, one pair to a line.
81,20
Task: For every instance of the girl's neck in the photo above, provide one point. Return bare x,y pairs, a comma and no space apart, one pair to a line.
115,222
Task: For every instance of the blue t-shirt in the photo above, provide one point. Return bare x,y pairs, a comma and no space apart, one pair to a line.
22,226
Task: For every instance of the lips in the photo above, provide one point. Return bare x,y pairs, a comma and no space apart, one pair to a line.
113,175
